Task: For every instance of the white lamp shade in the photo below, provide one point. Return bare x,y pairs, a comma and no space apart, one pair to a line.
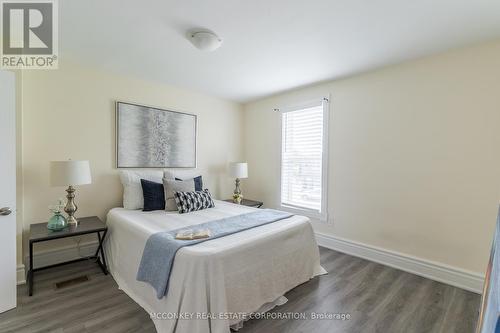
64,173
238,170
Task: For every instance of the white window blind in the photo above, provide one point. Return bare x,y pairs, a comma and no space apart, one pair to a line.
302,158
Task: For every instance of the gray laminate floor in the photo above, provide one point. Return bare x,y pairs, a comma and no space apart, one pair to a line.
378,299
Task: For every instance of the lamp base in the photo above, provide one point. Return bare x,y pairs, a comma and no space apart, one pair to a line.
237,192
72,221
237,189
71,207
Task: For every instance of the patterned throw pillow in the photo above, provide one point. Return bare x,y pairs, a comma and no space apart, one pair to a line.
192,201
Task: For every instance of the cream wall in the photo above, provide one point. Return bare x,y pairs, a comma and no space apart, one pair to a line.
414,155
70,113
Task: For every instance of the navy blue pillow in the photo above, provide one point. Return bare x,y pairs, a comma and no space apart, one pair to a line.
154,195
198,183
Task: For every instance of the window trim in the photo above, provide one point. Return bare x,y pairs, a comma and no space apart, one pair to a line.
311,213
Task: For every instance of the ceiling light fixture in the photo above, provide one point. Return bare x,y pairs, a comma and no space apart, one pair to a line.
205,40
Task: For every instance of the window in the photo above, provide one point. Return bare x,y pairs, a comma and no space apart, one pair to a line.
304,157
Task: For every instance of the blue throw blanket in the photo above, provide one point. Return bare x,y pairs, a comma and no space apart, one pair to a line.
161,247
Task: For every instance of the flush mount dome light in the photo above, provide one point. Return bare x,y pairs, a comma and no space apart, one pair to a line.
205,40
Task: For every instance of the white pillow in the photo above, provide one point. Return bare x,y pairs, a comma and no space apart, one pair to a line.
181,174
132,189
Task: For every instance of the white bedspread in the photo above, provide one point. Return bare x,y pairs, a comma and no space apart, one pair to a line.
233,274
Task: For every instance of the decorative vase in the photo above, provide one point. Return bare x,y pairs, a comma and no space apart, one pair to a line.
57,222
237,200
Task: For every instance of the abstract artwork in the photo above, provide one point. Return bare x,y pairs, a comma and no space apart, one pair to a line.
154,138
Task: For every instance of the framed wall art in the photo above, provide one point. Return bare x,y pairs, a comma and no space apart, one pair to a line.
148,137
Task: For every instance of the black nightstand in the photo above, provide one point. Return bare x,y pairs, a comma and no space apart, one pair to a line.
86,225
248,202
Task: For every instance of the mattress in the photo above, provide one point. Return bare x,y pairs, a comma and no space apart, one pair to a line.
214,283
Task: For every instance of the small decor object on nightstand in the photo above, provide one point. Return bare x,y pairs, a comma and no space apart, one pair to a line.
238,170
57,222
69,173
237,197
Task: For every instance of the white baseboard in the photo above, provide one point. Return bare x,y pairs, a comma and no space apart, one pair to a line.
20,274
433,270
61,254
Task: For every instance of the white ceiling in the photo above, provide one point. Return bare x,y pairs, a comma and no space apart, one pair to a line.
269,45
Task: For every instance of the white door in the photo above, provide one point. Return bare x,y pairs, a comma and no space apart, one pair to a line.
7,191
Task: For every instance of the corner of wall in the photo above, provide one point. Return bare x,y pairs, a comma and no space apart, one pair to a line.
19,168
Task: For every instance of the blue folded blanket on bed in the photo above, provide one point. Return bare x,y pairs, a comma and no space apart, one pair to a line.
161,247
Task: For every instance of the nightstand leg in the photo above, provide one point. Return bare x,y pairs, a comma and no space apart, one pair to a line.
100,250
30,271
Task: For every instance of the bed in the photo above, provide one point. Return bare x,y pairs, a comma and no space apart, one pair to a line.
213,283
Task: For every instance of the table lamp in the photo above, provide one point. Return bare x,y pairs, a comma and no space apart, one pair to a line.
70,173
238,170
